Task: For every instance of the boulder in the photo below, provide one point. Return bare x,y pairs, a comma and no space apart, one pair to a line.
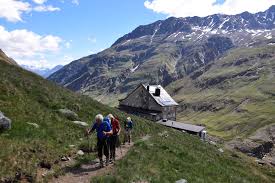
181,181
81,123
5,123
80,153
70,115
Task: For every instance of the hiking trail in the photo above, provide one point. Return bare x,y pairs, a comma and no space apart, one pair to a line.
86,172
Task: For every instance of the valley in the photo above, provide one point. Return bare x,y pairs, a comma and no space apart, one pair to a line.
42,137
219,68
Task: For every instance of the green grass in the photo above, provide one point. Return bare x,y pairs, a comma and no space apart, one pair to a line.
178,156
25,97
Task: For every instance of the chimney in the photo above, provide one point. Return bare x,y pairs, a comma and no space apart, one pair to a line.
148,88
157,92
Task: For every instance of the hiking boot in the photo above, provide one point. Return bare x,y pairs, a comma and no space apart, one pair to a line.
111,161
101,164
107,162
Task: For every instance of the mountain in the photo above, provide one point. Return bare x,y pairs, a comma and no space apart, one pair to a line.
219,68
33,150
5,58
234,97
44,72
163,52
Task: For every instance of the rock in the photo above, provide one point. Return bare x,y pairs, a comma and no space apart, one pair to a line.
260,162
71,146
80,123
5,123
65,158
44,164
252,148
80,153
33,124
221,150
181,181
70,115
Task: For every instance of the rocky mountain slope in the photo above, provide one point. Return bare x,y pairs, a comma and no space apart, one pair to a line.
234,98
5,58
164,51
43,137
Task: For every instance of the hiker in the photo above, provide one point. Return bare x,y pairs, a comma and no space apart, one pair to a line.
103,130
128,126
108,120
114,137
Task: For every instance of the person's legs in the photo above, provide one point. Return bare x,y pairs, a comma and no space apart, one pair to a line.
114,142
112,146
99,151
129,136
106,151
109,144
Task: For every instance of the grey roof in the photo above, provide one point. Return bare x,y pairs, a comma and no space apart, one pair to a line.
182,126
164,99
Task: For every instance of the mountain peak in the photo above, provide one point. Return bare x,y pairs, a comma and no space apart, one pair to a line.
272,8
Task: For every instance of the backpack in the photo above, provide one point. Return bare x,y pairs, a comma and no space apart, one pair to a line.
107,120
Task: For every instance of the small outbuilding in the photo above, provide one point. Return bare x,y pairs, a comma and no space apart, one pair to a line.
186,127
151,102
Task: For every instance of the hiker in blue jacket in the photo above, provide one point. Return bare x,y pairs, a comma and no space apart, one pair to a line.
128,127
103,130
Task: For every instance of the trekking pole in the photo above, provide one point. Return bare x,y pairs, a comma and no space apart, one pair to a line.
88,139
89,145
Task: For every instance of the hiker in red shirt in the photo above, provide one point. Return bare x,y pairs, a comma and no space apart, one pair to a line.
114,137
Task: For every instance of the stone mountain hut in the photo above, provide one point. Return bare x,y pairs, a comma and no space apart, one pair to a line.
151,102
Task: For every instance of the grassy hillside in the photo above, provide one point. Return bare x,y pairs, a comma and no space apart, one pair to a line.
27,98
168,156
234,96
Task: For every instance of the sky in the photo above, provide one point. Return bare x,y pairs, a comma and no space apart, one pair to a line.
45,33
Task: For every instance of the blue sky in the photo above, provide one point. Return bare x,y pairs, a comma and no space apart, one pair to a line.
44,33
86,28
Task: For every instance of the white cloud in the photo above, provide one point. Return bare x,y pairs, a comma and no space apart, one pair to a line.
92,39
27,47
43,8
12,10
39,1
184,8
76,2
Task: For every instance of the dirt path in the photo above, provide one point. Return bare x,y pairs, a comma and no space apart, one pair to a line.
85,173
